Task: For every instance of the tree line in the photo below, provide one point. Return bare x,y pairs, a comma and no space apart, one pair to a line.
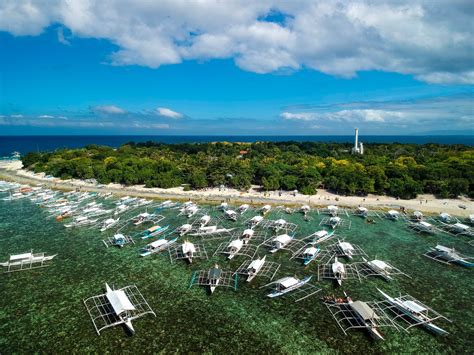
399,170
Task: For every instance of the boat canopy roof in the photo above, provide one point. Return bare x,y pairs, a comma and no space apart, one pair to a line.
237,243
443,248
119,301
256,264
460,226
257,218
311,251
158,243
335,219
322,233
152,229
188,247
418,214
24,256
380,264
287,281
283,238
393,212
346,246
215,273
425,224
332,207
362,209
444,215
413,306
364,310
118,236
248,232
230,212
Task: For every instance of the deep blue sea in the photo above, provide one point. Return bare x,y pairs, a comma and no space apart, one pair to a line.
25,144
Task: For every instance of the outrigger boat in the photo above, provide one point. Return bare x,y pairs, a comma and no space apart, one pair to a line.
445,217
362,212
210,230
243,208
309,254
214,277
279,242
109,223
223,206
380,268
305,209
393,215
255,221
338,270
142,218
346,249
231,215
367,316
254,267
204,220
157,246
247,235
287,284
119,240
265,209
233,248
278,225
154,231
26,261
81,221
188,249
449,256
415,310
184,229
121,209
320,236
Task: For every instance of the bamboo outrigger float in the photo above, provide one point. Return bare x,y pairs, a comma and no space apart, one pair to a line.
293,287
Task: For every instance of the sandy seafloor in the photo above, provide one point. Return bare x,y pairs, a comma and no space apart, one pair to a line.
42,310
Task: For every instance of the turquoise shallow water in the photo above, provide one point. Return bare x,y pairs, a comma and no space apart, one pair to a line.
42,309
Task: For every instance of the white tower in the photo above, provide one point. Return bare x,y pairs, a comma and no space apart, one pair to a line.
356,142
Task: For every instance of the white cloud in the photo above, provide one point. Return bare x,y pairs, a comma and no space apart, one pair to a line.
108,109
431,40
61,38
46,116
16,116
166,112
301,116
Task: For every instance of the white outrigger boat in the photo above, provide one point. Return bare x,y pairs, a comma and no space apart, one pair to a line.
362,212
309,254
223,206
280,241
334,222
346,248
121,209
278,225
255,221
191,211
231,215
422,227
338,270
118,240
305,209
332,210
254,268
210,230
26,261
265,209
247,235
289,284
116,307
109,223
449,256
188,249
416,311
320,236
142,218
81,221
243,208
184,229
204,220
445,217
417,216
233,248
381,268
393,215
157,246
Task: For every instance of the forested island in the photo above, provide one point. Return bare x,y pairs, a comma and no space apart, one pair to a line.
399,170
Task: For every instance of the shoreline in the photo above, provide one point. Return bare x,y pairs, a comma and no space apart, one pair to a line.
12,171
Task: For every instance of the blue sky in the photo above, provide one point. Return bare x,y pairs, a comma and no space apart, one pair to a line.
63,71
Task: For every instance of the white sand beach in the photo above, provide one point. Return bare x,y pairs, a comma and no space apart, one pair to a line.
12,170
